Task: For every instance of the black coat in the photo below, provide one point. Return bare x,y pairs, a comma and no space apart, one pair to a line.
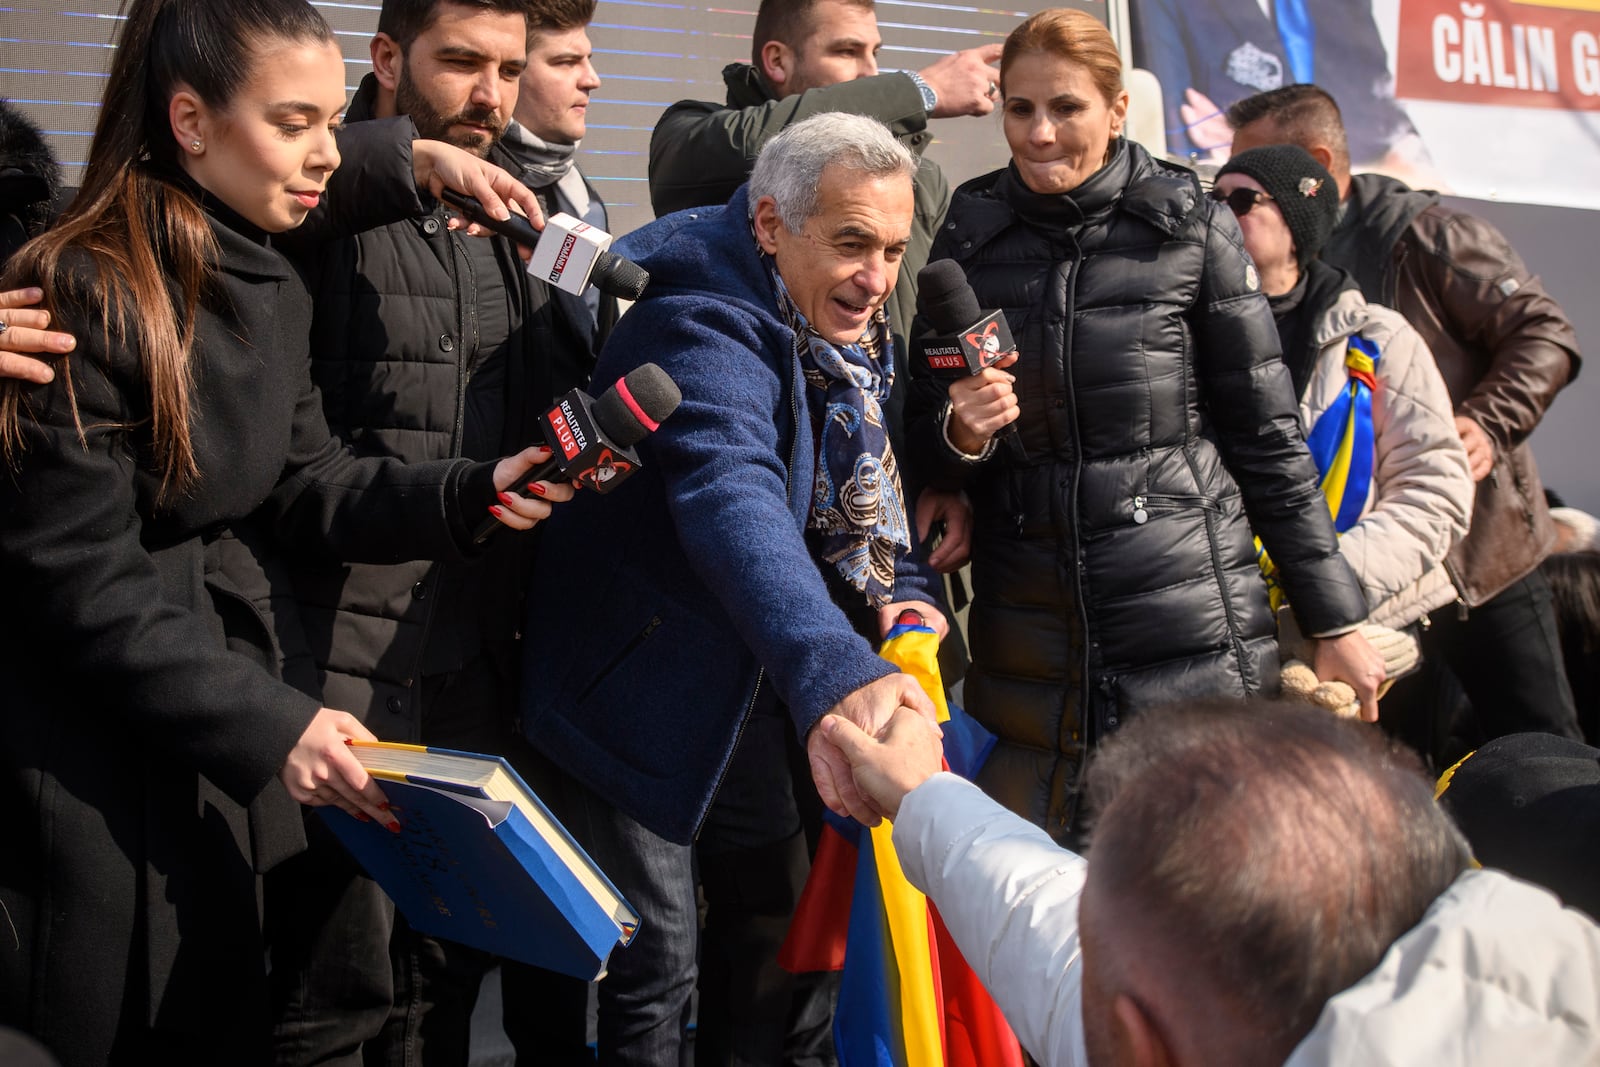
1112,562
396,337
142,729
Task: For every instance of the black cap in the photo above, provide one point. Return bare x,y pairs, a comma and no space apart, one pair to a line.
1302,188
1529,804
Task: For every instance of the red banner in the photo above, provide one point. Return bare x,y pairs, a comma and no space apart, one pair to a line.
1515,53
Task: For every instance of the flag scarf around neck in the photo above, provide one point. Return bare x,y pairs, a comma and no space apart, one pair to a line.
856,504
1343,444
907,996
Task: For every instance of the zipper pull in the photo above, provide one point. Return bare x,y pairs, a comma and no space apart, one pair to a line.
1140,515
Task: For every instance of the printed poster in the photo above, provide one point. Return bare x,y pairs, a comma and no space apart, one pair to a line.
1497,99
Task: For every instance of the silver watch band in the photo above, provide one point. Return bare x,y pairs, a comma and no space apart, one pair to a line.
930,99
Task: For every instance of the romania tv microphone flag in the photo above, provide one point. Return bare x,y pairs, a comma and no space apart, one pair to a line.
908,998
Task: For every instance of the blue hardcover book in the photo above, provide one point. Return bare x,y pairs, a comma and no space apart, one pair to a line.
479,859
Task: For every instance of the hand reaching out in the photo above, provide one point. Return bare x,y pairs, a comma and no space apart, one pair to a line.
322,770
982,405
26,333
887,767
437,165
522,507
870,708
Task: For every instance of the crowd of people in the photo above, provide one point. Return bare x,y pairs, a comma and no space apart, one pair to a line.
261,388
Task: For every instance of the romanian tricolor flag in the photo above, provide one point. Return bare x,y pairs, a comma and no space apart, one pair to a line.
1344,445
908,998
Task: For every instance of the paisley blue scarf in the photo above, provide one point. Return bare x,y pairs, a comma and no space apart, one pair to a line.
856,505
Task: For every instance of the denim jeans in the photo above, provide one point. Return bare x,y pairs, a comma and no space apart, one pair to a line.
436,990
328,926
750,882
644,997
437,982
644,1000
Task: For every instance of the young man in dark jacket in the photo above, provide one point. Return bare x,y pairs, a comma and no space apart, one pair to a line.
1505,349
550,121
427,344
809,57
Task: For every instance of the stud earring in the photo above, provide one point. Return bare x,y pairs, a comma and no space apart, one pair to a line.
194,146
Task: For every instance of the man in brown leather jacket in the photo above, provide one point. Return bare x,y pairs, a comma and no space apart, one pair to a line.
1506,349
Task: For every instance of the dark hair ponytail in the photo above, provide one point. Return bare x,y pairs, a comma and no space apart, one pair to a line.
146,233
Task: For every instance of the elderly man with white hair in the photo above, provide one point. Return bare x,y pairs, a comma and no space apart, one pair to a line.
686,622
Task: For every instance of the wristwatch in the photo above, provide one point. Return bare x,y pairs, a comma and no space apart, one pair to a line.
979,456
930,99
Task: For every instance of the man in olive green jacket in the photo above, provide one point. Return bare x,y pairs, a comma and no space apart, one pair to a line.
810,57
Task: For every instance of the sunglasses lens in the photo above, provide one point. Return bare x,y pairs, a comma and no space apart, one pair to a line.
1240,200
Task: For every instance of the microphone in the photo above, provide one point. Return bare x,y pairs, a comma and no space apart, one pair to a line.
592,438
570,254
965,340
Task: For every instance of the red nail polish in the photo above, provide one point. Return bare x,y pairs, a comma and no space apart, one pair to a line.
363,816
384,806
504,498
496,510
536,489
394,827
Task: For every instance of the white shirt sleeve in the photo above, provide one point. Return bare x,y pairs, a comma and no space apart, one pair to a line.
1009,895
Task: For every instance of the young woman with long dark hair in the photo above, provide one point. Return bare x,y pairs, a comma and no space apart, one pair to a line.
149,758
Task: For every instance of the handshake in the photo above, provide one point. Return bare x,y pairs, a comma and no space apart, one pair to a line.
864,775
908,752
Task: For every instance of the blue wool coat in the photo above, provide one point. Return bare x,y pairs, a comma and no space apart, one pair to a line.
663,614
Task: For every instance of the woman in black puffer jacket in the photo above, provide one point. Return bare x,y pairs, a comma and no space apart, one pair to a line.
1112,560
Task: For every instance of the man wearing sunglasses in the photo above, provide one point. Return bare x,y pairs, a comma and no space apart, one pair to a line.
1505,349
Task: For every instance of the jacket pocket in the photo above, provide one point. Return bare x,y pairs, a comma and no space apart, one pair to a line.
627,649
1143,507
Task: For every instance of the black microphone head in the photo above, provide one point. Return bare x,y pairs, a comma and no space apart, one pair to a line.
945,298
618,277
636,405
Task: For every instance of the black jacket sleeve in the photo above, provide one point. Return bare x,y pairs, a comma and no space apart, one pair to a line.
101,608
701,153
374,185
336,505
1251,403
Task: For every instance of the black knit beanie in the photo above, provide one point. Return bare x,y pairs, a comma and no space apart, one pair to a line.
1303,190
